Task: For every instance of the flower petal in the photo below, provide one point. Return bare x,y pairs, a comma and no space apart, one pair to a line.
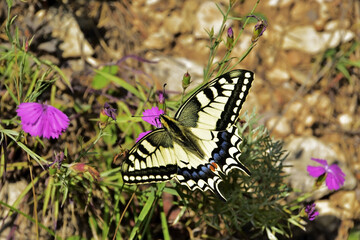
152,116
321,161
311,211
335,178
313,215
334,168
315,171
42,120
141,135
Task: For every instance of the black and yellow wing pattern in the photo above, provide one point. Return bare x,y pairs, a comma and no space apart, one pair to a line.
200,143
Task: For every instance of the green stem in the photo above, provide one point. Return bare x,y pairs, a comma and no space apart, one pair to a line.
225,59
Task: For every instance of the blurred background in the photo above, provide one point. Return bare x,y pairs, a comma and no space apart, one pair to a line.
306,64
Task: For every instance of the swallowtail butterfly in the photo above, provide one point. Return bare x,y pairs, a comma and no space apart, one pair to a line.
200,143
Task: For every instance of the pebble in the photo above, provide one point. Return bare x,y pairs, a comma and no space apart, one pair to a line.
65,27
278,75
307,39
208,16
170,70
280,126
346,121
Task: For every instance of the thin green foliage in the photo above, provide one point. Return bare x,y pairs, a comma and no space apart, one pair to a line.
121,83
14,209
340,61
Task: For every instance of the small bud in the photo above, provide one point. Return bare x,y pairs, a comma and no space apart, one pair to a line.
186,80
161,97
106,113
26,45
230,38
320,180
230,33
82,168
211,33
259,28
311,212
109,111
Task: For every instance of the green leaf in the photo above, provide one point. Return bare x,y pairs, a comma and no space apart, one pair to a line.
164,224
354,234
352,63
100,81
12,95
110,135
121,82
144,212
47,194
344,71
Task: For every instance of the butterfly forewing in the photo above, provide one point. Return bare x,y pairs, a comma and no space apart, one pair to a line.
152,159
217,104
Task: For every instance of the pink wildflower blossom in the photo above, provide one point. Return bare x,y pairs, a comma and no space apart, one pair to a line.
42,120
151,116
335,178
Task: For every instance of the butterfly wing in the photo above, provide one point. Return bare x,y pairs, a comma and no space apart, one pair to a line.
222,154
151,159
217,104
210,114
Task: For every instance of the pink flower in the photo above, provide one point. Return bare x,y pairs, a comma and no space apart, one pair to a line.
310,210
335,178
151,116
42,120
141,135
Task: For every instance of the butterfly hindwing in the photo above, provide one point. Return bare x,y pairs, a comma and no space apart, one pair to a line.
222,156
217,104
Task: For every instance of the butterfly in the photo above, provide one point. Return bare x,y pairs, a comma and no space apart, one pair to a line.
200,143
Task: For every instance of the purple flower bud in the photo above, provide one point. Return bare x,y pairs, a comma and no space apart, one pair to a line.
109,111
259,28
230,38
230,33
161,97
186,80
310,210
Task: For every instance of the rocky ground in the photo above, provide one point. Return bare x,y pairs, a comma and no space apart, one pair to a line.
306,90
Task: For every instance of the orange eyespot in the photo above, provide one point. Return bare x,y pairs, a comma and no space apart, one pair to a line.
213,166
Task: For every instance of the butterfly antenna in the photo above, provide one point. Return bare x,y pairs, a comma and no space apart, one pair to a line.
163,99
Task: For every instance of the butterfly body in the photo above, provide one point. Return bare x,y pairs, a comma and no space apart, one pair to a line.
200,143
181,135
